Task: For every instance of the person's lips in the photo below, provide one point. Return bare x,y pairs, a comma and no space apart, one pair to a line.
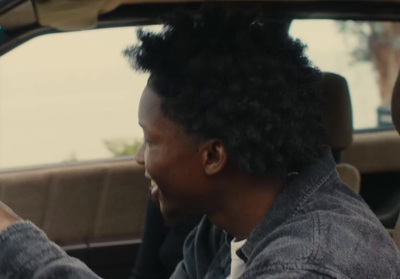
147,175
153,188
154,192
152,185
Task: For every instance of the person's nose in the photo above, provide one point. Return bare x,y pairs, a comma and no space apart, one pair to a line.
139,157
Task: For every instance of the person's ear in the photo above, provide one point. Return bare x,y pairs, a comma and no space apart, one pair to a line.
214,156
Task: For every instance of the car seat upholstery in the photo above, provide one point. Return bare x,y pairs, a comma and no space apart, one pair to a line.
339,120
79,204
95,211
350,175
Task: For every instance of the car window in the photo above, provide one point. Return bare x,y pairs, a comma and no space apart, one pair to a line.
69,97
366,53
72,96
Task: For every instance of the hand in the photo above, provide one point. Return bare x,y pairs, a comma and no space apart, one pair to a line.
7,217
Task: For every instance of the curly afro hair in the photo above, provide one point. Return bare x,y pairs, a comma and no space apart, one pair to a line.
241,78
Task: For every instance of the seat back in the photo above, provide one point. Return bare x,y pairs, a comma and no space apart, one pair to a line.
339,120
95,211
350,176
78,204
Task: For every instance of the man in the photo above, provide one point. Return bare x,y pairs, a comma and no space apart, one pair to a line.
233,129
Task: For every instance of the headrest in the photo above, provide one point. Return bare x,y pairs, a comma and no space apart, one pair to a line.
396,104
337,105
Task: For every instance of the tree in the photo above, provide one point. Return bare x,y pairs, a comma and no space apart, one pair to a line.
122,147
378,42
72,157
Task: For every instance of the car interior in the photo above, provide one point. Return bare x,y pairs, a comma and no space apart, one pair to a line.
95,209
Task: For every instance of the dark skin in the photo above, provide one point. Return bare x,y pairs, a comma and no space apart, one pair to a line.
7,217
194,175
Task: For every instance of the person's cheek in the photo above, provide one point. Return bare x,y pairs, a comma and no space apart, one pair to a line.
150,163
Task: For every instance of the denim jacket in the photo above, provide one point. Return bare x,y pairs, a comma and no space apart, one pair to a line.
317,228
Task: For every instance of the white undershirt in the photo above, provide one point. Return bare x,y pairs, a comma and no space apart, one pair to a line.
237,265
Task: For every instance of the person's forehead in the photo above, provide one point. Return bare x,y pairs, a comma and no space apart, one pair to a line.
152,119
149,106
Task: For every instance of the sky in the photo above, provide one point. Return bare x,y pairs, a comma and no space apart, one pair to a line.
62,95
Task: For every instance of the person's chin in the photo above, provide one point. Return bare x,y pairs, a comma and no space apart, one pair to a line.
173,217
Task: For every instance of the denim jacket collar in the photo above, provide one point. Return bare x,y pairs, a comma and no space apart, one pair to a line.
291,200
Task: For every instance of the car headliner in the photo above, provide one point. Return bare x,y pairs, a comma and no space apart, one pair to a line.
72,14
21,20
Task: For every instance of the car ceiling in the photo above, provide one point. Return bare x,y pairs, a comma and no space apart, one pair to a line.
83,14
21,19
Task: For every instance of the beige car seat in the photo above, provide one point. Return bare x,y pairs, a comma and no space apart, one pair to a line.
337,105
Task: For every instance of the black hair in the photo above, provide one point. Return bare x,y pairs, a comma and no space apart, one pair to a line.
241,78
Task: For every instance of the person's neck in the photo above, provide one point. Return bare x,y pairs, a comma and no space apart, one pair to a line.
244,202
